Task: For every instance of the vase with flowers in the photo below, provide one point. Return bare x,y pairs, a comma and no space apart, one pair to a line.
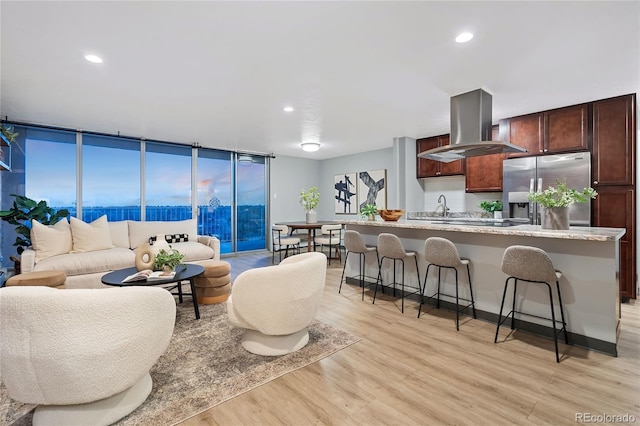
556,201
309,200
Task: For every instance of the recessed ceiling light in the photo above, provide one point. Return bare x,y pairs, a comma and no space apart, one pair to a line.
464,37
287,109
93,58
310,146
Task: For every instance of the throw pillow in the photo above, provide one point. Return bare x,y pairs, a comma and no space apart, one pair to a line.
49,241
91,236
173,238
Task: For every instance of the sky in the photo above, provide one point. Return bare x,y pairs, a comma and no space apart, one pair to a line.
111,177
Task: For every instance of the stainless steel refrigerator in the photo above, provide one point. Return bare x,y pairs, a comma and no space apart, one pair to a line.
530,174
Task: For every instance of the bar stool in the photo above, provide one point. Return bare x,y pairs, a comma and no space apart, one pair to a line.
354,243
390,247
532,265
442,253
331,236
281,240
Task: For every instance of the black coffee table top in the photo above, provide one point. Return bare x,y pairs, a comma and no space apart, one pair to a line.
183,272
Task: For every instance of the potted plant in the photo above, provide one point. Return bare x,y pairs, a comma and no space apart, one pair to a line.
556,202
167,260
369,211
309,200
494,207
25,209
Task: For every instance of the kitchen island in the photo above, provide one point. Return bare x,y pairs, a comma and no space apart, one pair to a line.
587,257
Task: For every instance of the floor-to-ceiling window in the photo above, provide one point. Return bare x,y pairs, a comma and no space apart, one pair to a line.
167,183
214,196
110,178
50,168
251,202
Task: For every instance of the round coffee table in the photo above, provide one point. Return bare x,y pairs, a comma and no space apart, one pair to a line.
183,273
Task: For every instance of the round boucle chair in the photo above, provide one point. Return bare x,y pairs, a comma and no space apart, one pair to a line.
83,356
276,303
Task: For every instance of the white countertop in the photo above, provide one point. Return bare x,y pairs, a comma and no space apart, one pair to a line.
574,233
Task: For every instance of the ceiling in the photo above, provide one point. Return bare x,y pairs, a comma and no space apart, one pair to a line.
357,73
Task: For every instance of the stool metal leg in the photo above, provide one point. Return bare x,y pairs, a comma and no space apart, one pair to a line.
504,296
457,302
473,303
343,270
513,306
564,323
424,288
553,322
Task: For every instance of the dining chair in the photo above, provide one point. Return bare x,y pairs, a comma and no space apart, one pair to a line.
281,240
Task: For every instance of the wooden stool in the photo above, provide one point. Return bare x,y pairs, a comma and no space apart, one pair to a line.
214,284
54,279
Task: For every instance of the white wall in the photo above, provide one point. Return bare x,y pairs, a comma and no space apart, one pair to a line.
289,175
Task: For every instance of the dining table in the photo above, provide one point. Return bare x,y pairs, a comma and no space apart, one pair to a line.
310,227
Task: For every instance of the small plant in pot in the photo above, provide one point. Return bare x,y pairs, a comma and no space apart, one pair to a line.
493,207
556,202
309,200
167,260
369,211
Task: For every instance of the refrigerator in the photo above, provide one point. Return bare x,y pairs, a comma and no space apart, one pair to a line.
530,174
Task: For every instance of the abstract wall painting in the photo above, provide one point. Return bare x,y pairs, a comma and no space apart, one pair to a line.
372,188
345,194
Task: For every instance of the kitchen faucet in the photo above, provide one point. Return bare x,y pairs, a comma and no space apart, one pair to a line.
445,210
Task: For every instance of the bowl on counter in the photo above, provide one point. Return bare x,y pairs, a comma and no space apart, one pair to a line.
391,215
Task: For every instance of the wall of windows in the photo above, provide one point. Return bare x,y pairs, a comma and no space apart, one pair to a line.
131,179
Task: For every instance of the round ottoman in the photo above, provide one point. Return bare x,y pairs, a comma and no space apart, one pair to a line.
54,279
214,284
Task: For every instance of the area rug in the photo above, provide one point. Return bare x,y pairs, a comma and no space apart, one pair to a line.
204,366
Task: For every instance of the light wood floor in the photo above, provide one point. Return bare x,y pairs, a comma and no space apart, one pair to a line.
410,371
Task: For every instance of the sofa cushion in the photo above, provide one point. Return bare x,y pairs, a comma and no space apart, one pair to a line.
193,251
141,231
50,241
90,236
89,262
119,233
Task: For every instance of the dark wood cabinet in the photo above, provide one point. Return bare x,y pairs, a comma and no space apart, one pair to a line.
614,141
551,132
614,207
484,173
526,131
566,129
431,168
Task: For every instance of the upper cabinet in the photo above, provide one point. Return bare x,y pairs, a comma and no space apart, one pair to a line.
431,168
548,132
484,173
614,141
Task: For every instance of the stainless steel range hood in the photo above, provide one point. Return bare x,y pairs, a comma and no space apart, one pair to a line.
470,130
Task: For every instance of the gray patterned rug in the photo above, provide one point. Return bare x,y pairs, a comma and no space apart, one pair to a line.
205,365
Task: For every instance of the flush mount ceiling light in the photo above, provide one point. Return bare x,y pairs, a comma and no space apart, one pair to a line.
310,146
245,159
287,109
93,58
464,37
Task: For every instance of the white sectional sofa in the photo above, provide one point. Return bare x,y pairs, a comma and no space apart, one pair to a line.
87,251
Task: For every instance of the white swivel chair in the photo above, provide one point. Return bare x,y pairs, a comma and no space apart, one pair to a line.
275,304
281,240
82,356
331,236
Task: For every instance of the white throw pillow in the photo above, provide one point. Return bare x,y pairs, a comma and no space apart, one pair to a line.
50,241
91,236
